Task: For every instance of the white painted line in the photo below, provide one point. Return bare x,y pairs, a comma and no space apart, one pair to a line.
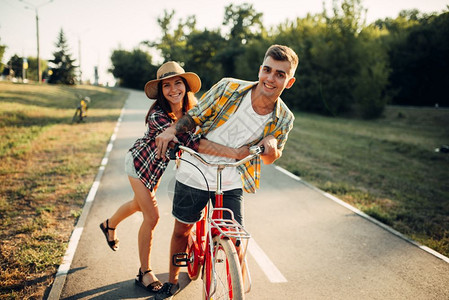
287,173
64,268
68,257
104,161
267,266
109,148
437,254
93,191
367,217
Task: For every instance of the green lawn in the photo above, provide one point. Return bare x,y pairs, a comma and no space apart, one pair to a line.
388,168
47,167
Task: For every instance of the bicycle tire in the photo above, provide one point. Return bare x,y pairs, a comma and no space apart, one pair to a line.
229,283
77,116
193,264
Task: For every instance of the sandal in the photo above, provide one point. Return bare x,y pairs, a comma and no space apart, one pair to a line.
154,287
112,244
168,291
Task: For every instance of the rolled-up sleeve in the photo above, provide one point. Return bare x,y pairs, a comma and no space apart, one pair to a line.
207,105
190,140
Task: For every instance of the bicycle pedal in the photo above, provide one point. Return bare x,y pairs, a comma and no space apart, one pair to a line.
180,259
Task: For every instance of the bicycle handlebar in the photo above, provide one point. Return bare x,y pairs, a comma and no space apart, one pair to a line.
254,150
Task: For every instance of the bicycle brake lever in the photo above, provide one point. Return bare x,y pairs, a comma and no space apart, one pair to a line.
172,152
256,149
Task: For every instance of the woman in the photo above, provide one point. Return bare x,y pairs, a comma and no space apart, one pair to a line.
174,93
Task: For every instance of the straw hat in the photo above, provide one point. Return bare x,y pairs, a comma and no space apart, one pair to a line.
168,70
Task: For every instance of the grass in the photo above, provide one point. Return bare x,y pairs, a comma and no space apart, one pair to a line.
387,168
48,166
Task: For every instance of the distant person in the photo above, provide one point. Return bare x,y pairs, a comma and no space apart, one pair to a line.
234,113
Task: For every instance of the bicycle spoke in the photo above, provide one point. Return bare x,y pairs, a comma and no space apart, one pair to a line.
227,280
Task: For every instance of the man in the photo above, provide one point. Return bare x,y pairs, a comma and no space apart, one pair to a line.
237,114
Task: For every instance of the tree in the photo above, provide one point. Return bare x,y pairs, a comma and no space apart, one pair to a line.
2,52
133,69
201,51
370,91
15,65
341,68
245,25
32,67
329,54
340,57
419,56
173,42
63,69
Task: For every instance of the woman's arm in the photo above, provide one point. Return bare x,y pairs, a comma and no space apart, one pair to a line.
183,125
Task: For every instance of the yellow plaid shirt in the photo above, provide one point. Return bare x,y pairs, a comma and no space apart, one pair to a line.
221,101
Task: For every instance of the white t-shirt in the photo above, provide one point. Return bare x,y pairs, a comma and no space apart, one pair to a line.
242,127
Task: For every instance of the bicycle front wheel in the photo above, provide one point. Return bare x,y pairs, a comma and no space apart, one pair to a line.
227,282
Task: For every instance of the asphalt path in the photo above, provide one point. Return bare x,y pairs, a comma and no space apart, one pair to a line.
304,244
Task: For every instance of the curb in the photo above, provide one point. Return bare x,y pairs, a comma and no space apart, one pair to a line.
365,216
64,268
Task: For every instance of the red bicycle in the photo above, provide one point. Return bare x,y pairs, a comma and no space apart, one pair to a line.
211,241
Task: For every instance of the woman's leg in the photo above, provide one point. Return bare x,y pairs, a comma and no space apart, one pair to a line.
147,203
124,211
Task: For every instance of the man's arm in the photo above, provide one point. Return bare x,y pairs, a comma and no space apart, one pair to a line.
184,124
212,148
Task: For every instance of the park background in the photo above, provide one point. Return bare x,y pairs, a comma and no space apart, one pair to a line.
370,105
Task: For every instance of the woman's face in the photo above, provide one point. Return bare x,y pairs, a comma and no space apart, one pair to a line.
174,90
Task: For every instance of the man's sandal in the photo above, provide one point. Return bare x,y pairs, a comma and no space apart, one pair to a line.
112,244
153,287
168,291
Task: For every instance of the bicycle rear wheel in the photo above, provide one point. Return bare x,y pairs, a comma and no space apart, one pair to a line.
77,116
228,277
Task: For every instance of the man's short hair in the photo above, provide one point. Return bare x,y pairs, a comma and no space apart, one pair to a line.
283,53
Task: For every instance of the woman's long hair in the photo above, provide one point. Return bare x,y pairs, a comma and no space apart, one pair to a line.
188,102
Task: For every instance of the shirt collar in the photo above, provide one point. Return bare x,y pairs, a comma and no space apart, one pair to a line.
277,108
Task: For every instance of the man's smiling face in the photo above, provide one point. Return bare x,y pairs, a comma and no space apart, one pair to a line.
274,77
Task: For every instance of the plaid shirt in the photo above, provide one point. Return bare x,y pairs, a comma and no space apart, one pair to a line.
148,167
221,101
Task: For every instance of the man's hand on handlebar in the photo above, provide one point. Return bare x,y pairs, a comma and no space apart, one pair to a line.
271,151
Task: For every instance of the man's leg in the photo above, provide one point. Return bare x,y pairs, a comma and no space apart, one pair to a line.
178,244
188,204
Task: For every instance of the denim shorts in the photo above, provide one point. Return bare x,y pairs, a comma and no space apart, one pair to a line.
129,165
189,203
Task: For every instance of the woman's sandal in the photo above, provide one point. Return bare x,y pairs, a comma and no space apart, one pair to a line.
112,244
153,287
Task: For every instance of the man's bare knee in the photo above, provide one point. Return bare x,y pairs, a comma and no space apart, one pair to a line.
181,230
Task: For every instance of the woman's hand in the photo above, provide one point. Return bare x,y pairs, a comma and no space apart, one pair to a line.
163,139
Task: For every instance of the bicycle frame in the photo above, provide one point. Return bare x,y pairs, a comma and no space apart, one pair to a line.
201,239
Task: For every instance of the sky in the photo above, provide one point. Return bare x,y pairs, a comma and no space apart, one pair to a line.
94,28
